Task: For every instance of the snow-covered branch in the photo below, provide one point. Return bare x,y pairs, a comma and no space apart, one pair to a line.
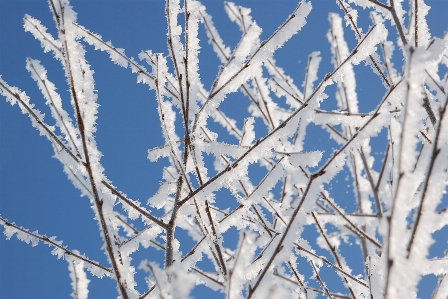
387,222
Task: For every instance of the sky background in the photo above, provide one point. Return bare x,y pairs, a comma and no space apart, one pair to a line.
34,192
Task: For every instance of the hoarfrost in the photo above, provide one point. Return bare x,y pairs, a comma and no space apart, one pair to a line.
392,214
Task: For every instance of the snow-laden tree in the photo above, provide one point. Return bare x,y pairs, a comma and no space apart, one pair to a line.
398,208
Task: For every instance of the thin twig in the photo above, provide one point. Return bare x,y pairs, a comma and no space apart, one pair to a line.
48,241
333,251
320,280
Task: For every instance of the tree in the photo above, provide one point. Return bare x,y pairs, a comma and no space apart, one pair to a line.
255,178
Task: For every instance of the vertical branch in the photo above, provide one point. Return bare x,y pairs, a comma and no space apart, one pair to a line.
435,152
187,81
172,23
307,75
229,291
215,240
369,275
171,227
82,131
379,209
416,22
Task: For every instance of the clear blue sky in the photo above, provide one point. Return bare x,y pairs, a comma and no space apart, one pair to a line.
36,194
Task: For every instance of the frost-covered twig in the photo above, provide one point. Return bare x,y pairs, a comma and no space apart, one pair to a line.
59,250
392,213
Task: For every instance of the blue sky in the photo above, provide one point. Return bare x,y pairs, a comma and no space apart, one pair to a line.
36,194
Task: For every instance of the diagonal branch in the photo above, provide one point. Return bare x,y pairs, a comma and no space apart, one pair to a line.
337,268
281,126
141,210
356,228
56,245
333,251
320,280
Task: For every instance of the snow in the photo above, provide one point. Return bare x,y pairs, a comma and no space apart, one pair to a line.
395,211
